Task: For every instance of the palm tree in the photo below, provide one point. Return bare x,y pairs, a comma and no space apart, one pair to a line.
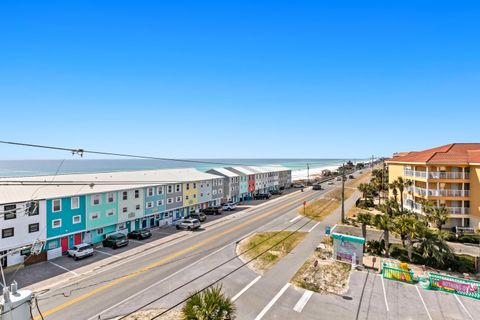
393,187
385,223
415,229
403,224
365,219
436,215
401,185
390,207
210,304
433,246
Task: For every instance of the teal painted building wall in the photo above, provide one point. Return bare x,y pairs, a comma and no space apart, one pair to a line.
106,210
68,225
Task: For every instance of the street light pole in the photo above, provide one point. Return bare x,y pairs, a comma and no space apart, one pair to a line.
343,192
308,174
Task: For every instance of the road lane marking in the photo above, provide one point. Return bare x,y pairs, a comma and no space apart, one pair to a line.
160,281
168,258
61,267
463,306
303,301
316,224
246,288
384,293
141,242
423,301
331,230
272,302
295,219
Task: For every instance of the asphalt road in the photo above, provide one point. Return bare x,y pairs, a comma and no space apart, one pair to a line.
140,279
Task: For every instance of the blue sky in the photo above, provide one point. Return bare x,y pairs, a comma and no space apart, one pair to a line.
244,79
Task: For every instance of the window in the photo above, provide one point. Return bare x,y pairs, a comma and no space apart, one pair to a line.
179,199
137,207
95,199
110,197
159,190
169,189
94,216
186,197
214,192
76,219
201,194
57,223
10,211
110,212
75,202
178,187
32,208
56,205
150,192
99,230
124,209
7,233
220,182
125,195
188,186
149,204
220,191
170,200
137,194
159,202
194,185
194,196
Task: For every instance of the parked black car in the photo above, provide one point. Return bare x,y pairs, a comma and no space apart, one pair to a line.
262,196
213,210
317,186
140,234
200,216
274,192
115,240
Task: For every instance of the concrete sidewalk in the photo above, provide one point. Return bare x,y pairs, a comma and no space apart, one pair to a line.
251,304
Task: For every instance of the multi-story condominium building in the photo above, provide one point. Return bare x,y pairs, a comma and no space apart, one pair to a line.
247,181
87,207
446,176
231,187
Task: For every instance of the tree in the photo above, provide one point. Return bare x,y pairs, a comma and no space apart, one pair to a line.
403,224
390,207
210,304
365,219
433,246
436,215
398,187
413,233
385,223
393,187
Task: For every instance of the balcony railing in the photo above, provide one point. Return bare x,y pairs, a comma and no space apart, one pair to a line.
417,207
440,192
437,174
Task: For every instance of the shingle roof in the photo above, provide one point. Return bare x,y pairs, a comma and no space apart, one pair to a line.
223,171
137,179
455,153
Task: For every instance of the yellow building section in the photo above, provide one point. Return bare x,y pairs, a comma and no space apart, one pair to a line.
394,171
475,194
190,194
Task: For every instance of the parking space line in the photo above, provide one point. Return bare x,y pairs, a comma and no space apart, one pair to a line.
295,219
107,253
463,306
423,301
316,224
303,301
62,267
272,302
246,288
333,228
384,294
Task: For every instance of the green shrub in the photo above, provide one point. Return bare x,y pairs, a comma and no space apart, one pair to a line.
209,304
470,238
375,247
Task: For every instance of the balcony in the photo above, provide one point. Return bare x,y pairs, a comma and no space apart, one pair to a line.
439,192
417,207
437,175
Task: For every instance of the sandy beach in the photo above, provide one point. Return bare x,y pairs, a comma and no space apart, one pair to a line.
302,174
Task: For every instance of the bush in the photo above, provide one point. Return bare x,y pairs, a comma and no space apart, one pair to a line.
210,304
365,203
375,247
471,238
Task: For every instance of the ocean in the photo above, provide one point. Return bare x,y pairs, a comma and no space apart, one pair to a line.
15,168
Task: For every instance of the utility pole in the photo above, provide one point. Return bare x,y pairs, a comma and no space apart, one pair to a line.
343,192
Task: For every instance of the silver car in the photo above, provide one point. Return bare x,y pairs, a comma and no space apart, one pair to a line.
188,224
81,250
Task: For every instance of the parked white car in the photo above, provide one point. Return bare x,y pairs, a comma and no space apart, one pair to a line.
81,250
188,224
229,206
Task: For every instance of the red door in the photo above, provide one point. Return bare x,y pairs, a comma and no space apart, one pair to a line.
64,243
77,238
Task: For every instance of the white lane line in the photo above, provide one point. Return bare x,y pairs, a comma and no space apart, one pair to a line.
303,301
189,267
246,288
463,306
295,219
384,293
141,242
107,253
272,302
316,224
61,267
423,301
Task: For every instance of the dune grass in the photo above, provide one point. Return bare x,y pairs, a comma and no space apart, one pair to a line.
259,242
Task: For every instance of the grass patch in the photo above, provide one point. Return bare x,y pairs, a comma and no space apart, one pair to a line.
327,277
260,242
321,208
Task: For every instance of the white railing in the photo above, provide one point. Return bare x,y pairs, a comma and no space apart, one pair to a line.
458,210
440,192
417,207
436,174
